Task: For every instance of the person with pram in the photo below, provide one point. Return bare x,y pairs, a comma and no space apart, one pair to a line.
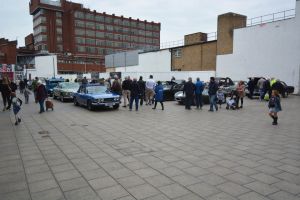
231,103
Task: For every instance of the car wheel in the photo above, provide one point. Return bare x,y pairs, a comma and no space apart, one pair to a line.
89,105
75,102
116,106
62,98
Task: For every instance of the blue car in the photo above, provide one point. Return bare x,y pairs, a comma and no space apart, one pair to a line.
51,84
95,95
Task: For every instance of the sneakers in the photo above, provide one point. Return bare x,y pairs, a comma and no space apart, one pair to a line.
19,120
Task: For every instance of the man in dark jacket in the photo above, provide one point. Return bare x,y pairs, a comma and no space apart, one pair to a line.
267,87
41,95
134,94
142,85
189,90
251,87
212,91
126,90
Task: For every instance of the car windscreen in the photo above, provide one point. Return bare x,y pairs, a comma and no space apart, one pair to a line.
96,89
70,85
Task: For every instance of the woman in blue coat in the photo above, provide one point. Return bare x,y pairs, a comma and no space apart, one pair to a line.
159,95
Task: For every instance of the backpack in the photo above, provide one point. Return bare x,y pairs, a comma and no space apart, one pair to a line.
272,102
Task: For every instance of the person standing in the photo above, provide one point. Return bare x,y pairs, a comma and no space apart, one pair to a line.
274,106
34,86
5,91
126,91
134,94
267,88
150,86
13,88
159,95
199,87
116,86
41,95
142,86
212,91
22,86
189,90
260,85
251,87
240,94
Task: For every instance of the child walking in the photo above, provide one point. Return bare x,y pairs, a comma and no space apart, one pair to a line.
220,97
17,103
274,106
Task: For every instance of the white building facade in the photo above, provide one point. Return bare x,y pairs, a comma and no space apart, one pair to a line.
268,50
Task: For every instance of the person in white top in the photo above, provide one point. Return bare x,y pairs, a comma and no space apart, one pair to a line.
150,86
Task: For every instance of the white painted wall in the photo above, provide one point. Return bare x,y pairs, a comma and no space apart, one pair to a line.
269,50
45,66
158,61
166,76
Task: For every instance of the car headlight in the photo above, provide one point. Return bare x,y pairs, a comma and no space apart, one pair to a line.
116,99
180,95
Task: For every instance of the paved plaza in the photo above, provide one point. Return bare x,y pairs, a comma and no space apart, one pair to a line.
75,154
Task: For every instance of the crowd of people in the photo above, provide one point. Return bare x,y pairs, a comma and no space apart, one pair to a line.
151,92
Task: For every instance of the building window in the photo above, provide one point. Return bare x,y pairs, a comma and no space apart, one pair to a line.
142,25
80,49
148,33
142,40
58,14
141,32
100,42
109,36
79,23
80,40
40,38
79,32
118,37
110,28
90,25
89,16
90,41
126,22
155,34
149,27
59,39
79,15
59,30
100,34
59,47
39,21
39,29
90,49
99,26
108,20
58,22
99,18
126,30
101,51
90,33
177,53
156,28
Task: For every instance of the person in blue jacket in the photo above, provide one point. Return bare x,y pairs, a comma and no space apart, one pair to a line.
159,95
199,87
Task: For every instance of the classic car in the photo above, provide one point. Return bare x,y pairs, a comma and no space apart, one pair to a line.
180,97
51,84
96,95
287,89
65,90
170,90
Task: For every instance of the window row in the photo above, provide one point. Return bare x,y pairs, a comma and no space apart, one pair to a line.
40,38
80,40
39,29
39,20
113,20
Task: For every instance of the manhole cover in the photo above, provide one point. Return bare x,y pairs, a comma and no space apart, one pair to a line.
43,132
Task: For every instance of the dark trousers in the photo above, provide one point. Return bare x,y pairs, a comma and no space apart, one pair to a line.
142,97
199,100
136,99
188,101
6,99
238,100
161,103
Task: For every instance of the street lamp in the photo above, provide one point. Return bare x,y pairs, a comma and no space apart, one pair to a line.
53,66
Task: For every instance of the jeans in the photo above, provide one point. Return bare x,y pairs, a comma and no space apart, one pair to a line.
136,99
213,102
199,100
42,108
261,94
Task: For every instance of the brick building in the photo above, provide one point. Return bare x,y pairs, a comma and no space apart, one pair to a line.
199,54
82,37
8,51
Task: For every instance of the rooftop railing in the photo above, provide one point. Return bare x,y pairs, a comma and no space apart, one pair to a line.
287,14
210,37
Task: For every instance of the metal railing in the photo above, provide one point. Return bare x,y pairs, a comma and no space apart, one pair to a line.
287,14
210,36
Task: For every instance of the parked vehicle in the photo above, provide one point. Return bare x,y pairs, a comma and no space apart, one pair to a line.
287,89
180,97
51,84
95,95
65,90
171,89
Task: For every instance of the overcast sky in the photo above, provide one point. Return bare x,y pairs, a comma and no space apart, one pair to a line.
177,17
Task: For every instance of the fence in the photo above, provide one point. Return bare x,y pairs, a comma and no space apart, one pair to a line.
287,14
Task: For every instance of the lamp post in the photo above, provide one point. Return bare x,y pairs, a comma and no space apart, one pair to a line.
53,65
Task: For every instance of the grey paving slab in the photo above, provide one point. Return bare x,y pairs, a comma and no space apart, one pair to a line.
89,155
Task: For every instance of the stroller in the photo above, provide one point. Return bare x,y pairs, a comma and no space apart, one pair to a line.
232,103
